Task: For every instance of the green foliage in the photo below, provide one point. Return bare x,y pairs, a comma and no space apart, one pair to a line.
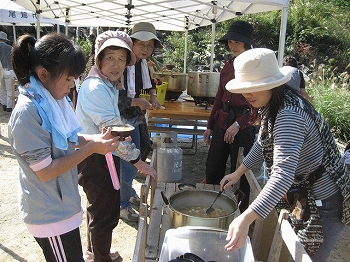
340,3
85,47
174,47
332,101
266,29
322,27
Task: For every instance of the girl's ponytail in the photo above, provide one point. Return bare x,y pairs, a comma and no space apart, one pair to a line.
21,58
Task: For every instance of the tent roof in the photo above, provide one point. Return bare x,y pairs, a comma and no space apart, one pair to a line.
12,13
176,15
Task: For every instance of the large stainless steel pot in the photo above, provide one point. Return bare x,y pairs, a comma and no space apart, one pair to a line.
200,198
203,84
176,81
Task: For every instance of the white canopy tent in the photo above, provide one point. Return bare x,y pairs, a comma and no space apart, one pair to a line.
16,15
175,15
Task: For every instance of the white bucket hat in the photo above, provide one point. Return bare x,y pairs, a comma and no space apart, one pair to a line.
256,70
3,36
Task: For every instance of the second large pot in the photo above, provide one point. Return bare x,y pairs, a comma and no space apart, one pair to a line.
203,84
176,81
200,198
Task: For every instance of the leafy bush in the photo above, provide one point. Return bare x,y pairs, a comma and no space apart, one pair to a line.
174,49
85,46
323,27
332,101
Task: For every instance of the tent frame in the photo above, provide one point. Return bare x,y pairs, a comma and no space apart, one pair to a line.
170,15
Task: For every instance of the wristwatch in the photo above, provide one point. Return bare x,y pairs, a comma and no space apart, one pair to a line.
237,125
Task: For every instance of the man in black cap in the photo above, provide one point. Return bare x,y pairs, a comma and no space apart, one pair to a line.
228,126
8,74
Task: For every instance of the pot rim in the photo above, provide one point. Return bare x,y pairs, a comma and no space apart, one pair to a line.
170,73
170,206
211,73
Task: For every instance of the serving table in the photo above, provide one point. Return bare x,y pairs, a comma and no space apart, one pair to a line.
182,117
186,110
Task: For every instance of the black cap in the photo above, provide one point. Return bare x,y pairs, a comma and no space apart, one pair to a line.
240,31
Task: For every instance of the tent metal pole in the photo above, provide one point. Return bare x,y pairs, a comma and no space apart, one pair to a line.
185,51
37,26
186,24
37,7
67,19
282,40
214,11
14,32
212,46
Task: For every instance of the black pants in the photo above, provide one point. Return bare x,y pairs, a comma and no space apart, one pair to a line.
218,154
103,204
66,247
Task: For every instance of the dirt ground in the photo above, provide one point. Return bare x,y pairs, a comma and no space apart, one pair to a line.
16,244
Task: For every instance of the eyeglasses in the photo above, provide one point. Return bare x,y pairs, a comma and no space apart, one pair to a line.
145,47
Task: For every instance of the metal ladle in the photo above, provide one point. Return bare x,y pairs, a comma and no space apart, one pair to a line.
210,209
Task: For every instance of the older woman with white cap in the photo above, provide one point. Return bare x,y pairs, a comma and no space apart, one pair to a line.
132,107
97,107
228,128
302,158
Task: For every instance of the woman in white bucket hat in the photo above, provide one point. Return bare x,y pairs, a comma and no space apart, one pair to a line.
300,153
